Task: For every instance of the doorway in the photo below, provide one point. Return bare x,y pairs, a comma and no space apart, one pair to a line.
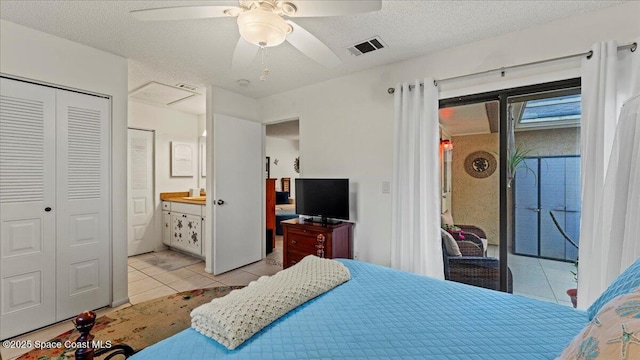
282,152
525,116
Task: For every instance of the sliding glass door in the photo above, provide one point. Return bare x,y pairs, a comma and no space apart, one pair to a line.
515,156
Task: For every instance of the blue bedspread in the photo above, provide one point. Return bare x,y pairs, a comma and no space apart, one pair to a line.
388,314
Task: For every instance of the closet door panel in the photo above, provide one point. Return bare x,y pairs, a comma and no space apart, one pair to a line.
83,265
27,188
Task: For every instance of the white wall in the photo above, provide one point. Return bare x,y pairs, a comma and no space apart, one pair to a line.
285,151
169,125
229,103
346,131
346,124
32,54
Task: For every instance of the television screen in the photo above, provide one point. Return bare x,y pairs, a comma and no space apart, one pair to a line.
327,198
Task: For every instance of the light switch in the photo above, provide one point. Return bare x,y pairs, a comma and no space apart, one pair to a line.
386,187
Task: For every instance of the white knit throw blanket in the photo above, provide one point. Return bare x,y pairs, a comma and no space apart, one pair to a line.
234,318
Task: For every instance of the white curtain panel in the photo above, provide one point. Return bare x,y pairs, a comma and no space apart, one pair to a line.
621,201
415,224
605,217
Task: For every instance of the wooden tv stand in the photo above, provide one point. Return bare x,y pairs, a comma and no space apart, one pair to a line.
302,238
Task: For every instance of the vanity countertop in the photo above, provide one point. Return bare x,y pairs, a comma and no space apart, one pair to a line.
183,197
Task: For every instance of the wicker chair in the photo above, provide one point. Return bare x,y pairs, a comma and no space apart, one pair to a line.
472,238
447,219
469,239
474,269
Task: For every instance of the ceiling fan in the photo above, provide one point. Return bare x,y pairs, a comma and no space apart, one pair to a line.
265,23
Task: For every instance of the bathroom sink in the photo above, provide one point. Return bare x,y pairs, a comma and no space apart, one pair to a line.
202,198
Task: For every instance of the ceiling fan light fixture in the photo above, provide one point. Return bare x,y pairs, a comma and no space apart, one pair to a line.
233,12
288,8
263,28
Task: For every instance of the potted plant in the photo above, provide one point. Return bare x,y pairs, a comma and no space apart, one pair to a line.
573,293
515,161
457,232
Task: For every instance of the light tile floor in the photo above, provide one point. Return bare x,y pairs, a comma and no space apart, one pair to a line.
541,279
166,272
163,273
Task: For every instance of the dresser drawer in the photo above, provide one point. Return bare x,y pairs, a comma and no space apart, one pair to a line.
295,257
305,243
304,232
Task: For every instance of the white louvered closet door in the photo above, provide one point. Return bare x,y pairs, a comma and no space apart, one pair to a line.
54,205
27,189
83,248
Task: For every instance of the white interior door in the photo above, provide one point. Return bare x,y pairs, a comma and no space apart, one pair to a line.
141,231
82,218
27,189
238,185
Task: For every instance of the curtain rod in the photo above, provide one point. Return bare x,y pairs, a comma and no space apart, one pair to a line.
633,46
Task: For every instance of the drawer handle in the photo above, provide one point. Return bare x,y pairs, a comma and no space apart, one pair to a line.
294,242
166,225
293,262
320,246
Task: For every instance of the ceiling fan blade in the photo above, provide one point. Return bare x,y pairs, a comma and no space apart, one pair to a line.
244,54
312,46
182,13
335,8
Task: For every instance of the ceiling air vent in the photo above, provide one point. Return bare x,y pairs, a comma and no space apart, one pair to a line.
366,46
162,93
187,87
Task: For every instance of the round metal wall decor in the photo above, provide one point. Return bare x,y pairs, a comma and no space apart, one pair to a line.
296,164
480,164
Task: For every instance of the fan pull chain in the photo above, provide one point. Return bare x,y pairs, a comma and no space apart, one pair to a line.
265,69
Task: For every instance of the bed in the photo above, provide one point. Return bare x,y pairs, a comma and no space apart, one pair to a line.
383,313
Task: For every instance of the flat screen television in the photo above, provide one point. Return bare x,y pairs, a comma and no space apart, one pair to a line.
325,198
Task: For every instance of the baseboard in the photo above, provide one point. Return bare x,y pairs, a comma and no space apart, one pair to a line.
117,303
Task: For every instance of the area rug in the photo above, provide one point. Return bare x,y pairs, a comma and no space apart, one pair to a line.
139,325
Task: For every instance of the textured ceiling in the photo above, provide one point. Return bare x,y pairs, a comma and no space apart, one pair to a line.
198,52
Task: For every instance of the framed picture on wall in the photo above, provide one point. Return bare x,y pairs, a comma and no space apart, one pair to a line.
181,159
266,167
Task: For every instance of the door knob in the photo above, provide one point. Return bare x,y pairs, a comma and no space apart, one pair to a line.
220,202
